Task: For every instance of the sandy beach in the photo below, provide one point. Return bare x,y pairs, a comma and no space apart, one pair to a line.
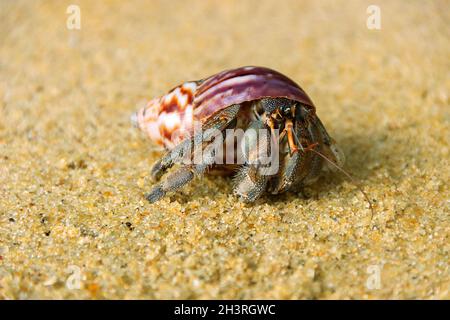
74,223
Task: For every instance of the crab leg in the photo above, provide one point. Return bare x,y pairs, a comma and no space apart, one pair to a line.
251,180
219,122
186,173
295,167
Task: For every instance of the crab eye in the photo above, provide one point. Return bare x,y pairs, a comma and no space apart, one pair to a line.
286,111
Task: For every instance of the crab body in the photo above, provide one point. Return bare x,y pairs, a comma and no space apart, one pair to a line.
245,98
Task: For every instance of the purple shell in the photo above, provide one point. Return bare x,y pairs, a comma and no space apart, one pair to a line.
244,84
194,101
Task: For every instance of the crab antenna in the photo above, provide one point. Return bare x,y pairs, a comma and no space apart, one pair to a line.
351,179
343,172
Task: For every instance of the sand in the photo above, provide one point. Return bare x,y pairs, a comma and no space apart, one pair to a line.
74,222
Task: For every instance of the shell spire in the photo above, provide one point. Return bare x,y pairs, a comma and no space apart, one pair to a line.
163,116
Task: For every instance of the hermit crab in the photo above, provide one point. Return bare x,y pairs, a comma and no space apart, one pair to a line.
246,98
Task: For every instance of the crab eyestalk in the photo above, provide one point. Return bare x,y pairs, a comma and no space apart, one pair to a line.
290,134
271,126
